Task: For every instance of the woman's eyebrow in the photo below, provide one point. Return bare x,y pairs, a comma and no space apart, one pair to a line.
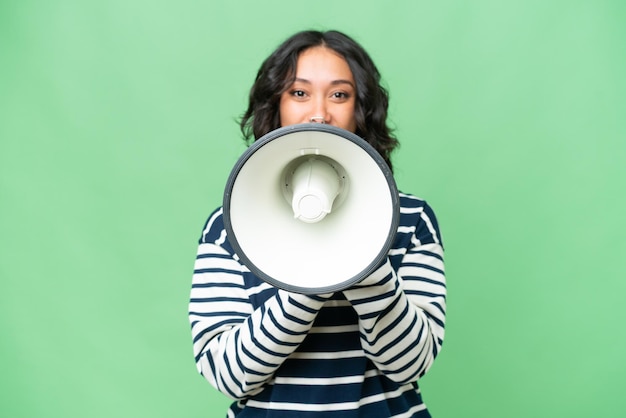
334,82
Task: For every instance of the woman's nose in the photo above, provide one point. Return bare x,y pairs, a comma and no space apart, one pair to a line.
319,112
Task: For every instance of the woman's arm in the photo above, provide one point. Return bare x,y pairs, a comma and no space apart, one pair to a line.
402,310
238,348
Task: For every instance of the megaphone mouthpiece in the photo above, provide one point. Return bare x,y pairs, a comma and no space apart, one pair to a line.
315,185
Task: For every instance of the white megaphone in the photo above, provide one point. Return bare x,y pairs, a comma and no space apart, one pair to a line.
311,208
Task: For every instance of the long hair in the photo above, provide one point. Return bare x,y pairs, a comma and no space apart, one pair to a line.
278,72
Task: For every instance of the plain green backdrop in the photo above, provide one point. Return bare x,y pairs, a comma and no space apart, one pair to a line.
118,131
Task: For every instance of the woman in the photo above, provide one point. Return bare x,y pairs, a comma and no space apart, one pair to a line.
354,353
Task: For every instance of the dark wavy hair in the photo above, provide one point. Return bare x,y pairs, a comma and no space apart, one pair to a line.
278,72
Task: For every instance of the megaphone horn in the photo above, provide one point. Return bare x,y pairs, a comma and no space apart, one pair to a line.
311,208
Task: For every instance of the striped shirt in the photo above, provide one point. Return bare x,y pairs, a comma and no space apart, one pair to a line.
355,353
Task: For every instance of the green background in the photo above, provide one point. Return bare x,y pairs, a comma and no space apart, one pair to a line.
118,131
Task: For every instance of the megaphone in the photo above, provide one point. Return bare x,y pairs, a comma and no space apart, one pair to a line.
311,208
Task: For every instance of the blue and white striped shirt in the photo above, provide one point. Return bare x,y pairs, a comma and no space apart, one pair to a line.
356,353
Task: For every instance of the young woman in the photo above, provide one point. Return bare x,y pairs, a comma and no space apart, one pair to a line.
354,353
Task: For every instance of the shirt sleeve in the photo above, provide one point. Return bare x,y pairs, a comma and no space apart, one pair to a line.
238,348
401,310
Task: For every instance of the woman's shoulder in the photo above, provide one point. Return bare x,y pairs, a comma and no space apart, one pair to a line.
417,214
213,230
412,203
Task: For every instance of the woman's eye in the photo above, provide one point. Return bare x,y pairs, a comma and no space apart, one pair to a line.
341,95
298,93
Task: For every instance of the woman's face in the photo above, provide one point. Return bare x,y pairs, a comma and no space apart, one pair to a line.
324,90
